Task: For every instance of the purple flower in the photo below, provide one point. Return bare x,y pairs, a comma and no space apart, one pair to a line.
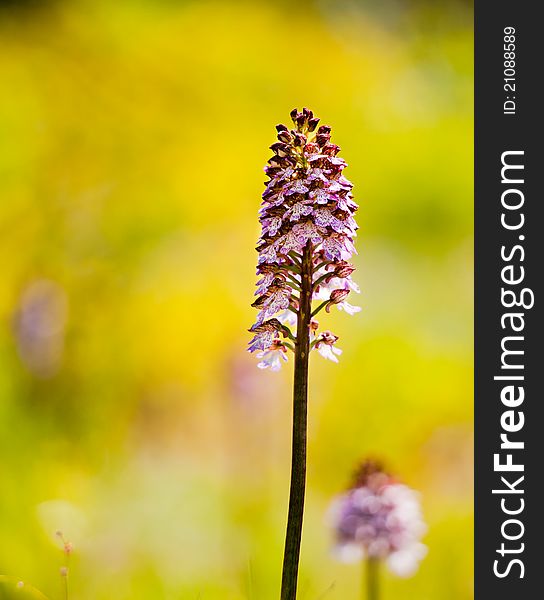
379,518
299,210
315,174
321,195
307,203
297,186
265,335
276,298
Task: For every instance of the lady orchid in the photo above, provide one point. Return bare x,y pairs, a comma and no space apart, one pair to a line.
308,228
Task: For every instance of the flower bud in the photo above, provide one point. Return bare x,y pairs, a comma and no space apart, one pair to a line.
300,140
337,296
330,149
259,302
285,136
312,124
322,138
312,148
301,121
281,149
370,473
343,269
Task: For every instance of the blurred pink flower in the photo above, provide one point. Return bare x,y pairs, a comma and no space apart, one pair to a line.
379,518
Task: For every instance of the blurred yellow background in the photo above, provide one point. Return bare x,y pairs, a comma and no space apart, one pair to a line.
134,134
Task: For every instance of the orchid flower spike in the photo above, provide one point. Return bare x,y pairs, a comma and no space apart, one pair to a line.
308,229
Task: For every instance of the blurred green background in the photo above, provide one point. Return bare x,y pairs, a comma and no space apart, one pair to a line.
134,134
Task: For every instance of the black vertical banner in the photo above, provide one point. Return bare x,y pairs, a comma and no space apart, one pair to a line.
509,268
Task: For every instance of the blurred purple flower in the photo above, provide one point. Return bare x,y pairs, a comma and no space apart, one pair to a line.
39,327
379,518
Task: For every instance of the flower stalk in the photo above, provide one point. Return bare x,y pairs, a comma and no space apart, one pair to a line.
300,416
308,228
64,570
372,575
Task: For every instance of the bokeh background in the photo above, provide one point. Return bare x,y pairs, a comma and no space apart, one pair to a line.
133,137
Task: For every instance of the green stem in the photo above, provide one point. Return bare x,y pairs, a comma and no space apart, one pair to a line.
321,306
295,281
372,579
321,279
296,257
291,268
298,459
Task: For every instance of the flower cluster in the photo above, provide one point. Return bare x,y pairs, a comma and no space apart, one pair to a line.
379,518
307,204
